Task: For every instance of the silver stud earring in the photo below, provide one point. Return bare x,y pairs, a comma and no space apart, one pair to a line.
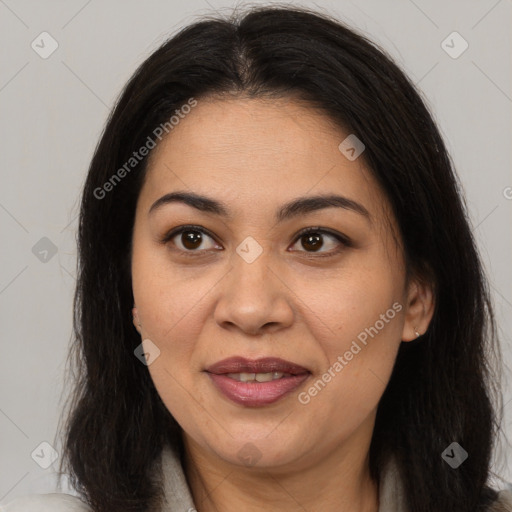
417,333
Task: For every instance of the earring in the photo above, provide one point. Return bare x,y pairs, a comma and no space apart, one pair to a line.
417,333
136,317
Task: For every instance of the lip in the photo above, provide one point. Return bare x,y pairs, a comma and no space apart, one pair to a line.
256,394
263,365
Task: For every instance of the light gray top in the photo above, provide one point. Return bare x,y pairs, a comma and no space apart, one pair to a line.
178,496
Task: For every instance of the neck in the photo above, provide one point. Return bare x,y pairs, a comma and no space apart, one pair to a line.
334,482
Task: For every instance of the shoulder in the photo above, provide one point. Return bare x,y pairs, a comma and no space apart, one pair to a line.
55,502
503,502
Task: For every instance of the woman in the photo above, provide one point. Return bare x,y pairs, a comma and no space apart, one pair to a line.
280,305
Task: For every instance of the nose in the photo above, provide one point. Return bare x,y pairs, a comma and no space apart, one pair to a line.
253,298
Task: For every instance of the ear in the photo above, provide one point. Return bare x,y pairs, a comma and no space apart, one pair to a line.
136,321
419,309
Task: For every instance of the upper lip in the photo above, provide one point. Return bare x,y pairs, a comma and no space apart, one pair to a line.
263,365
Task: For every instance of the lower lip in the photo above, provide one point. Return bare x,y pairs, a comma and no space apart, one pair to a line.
256,394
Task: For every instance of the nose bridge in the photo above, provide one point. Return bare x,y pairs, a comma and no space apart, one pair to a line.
252,282
253,297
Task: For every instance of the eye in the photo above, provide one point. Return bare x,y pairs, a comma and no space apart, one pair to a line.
190,239
193,240
313,240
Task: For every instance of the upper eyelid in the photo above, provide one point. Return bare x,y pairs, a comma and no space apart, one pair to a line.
178,230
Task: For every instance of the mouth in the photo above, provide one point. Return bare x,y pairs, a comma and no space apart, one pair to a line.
255,383
258,377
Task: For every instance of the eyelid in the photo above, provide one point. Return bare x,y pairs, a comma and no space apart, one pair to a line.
324,231
192,227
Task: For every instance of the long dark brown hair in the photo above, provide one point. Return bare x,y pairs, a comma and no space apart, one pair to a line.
442,388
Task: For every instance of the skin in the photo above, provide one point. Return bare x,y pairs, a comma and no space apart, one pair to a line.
255,155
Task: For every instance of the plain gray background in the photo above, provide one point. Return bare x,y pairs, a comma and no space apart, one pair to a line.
52,114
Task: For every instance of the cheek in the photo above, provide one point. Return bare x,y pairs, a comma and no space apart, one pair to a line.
357,321
170,306
164,294
347,304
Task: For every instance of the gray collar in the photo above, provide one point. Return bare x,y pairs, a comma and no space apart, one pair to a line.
179,498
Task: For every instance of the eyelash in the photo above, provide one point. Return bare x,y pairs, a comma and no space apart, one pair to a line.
344,241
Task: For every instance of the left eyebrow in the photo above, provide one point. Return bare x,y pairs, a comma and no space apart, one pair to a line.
294,208
305,205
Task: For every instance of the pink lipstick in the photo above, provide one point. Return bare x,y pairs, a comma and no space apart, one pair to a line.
255,383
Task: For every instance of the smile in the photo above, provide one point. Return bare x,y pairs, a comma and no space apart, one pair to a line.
257,377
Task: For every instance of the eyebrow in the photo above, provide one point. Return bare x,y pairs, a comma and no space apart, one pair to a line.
294,208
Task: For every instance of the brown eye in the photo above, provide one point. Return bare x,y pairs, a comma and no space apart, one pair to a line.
190,239
312,240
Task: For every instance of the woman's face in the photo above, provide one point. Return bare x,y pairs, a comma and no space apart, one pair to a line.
245,283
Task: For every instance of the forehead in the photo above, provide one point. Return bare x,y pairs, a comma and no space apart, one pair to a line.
260,152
